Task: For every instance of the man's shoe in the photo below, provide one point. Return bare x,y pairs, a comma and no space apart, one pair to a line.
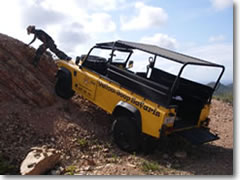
68,58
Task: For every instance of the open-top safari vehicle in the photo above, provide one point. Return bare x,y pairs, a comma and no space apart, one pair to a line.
148,103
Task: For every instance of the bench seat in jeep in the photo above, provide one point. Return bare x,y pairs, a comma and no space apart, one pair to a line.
148,89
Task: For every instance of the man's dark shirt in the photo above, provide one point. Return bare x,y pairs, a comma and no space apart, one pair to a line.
42,36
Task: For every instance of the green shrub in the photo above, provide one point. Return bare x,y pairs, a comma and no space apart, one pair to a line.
150,166
70,170
82,142
5,167
226,97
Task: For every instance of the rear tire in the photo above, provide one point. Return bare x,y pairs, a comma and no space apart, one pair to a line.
63,87
126,134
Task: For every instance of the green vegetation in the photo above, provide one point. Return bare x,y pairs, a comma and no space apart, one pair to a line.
70,170
5,167
227,97
114,158
150,166
223,92
82,142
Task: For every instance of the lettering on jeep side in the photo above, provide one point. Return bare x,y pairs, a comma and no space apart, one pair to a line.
132,100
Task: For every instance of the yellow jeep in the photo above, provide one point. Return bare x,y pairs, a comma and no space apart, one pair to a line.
146,102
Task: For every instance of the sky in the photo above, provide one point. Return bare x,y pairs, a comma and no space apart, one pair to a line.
202,29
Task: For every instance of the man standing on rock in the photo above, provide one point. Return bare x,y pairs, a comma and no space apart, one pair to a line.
48,42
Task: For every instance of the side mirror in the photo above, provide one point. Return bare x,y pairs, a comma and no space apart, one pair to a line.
78,59
130,64
151,61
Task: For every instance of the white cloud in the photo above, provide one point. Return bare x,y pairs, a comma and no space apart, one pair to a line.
93,5
221,53
147,17
100,22
162,40
72,35
221,4
56,18
74,27
103,5
36,14
51,12
10,18
217,38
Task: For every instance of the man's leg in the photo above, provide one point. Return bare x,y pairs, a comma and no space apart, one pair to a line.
39,53
59,54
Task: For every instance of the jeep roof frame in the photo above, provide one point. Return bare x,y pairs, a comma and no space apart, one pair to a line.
165,53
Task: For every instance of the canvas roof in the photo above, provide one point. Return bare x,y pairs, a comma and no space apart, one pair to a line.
162,52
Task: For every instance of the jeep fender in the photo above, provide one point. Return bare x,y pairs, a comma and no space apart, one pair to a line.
65,76
123,108
64,72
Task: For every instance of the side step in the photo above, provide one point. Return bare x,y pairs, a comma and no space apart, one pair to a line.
198,135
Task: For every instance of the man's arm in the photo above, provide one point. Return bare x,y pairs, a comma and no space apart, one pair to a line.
32,40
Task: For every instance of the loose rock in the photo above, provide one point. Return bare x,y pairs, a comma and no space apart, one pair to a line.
180,154
39,160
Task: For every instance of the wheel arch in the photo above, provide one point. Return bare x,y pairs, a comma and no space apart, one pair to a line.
63,86
65,72
124,108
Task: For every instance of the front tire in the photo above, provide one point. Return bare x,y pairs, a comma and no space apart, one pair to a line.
126,134
63,87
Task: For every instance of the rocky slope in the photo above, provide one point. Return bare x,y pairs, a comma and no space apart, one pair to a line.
32,115
24,92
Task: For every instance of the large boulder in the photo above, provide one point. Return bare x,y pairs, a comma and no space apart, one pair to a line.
39,161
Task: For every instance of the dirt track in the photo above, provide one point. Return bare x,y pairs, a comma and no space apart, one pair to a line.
82,132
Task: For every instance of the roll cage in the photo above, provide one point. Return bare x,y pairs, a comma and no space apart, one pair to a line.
185,60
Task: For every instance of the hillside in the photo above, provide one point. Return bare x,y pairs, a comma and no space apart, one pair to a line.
224,89
223,92
32,115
